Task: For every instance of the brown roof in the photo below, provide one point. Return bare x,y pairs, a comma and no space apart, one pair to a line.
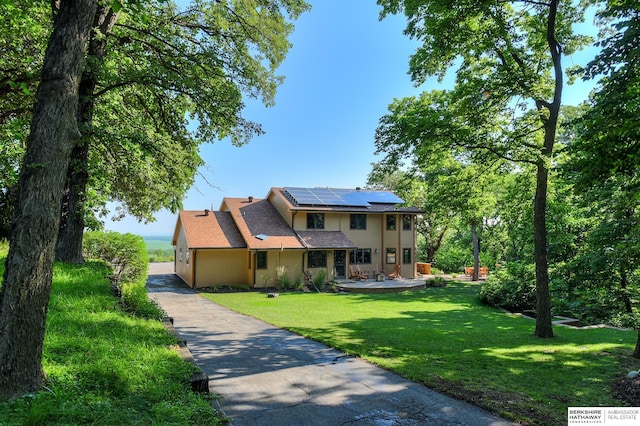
212,230
260,224
326,240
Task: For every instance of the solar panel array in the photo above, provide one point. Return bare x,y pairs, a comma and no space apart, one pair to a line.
339,197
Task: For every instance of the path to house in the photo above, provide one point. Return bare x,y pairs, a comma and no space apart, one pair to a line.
268,376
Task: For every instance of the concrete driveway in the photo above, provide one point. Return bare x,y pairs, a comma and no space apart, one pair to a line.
268,376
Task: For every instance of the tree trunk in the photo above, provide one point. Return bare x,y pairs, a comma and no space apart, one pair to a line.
476,252
636,352
24,297
69,246
544,327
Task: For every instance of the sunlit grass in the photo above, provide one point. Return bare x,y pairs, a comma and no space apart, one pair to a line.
105,366
444,338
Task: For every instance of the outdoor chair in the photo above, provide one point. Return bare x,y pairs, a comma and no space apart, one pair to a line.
356,274
395,273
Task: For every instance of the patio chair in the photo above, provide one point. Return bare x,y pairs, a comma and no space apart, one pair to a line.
356,274
395,273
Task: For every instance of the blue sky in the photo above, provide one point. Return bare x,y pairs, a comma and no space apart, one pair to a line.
344,69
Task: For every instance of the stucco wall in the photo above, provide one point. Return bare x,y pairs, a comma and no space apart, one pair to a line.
220,267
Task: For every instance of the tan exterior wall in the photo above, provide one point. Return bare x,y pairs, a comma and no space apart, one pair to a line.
183,269
291,259
376,237
219,267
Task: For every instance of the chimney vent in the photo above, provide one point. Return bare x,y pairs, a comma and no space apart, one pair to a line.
251,199
206,212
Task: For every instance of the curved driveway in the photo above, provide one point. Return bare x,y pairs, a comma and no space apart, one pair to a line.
269,376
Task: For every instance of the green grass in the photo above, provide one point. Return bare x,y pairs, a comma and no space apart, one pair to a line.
104,366
445,339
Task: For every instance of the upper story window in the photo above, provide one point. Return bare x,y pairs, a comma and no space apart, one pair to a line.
391,222
315,220
358,221
406,222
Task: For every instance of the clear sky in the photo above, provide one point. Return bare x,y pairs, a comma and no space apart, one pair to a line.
344,69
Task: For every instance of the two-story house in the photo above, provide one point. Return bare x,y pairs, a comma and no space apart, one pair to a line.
296,231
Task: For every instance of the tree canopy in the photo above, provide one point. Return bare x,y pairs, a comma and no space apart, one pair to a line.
507,59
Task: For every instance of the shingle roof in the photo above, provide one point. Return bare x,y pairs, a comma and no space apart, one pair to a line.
326,240
212,230
260,224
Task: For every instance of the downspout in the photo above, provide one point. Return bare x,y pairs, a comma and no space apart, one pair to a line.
195,256
400,254
382,249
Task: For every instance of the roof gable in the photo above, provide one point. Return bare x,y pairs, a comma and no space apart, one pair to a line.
204,229
260,224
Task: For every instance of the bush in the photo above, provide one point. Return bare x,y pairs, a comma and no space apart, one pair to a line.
436,282
452,258
128,258
512,288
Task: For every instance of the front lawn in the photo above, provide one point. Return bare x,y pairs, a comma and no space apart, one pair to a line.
445,339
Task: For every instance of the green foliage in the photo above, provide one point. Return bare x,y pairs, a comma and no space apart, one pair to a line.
320,277
512,288
126,254
104,366
282,277
446,339
436,282
454,255
160,69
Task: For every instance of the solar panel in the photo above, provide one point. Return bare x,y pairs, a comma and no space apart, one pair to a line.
339,197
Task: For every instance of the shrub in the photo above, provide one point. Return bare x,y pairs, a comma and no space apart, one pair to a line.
512,288
282,277
128,258
436,282
320,278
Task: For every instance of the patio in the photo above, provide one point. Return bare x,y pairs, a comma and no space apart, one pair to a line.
393,285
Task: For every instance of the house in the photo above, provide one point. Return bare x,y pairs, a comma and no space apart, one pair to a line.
299,231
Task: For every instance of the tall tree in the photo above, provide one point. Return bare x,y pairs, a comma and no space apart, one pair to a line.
194,62
508,61
24,296
605,156
436,218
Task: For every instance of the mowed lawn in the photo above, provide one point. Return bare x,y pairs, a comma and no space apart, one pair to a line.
445,339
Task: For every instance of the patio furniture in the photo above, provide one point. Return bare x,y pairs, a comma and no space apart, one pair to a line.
395,273
356,274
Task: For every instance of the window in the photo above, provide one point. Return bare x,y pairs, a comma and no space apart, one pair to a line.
180,258
391,222
187,256
391,256
406,222
315,220
358,221
406,255
360,256
318,259
261,260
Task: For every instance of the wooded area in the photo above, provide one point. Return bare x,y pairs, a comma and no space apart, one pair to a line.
96,101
